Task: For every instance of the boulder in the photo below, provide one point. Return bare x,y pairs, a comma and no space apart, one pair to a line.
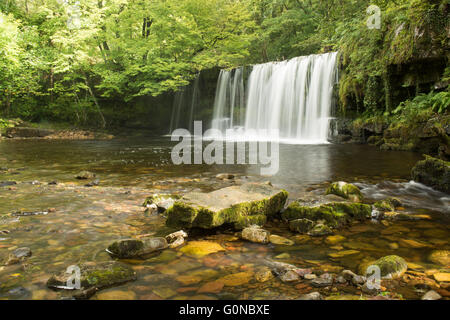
346,191
239,206
93,277
433,172
388,204
431,295
391,267
132,248
311,296
303,217
320,230
256,234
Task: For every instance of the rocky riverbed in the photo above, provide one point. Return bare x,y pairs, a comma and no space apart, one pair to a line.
65,218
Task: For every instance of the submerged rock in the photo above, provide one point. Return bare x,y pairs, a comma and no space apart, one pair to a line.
285,271
84,175
320,230
282,241
256,234
240,206
132,248
402,216
433,172
324,280
440,257
201,248
345,190
18,255
93,277
301,225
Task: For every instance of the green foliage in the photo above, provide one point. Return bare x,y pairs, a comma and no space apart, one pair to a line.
423,106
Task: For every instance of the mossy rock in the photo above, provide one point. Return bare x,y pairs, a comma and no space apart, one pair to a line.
388,204
301,225
391,267
93,277
162,201
346,191
433,172
239,206
334,214
320,230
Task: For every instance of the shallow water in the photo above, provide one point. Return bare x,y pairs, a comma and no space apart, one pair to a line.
86,220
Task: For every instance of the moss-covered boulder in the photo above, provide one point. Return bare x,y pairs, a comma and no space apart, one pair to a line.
239,206
301,225
345,190
93,277
334,214
388,204
391,267
163,202
433,172
132,248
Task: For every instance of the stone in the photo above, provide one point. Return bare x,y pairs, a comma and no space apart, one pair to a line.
94,276
332,214
281,256
433,172
263,275
320,230
18,255
132,248
164,292
411,243
289,276
370,289
358,280
240,206
442,276
301,225
161,201
388,204
116,295
84,175
391,267
25,132
188,280
441,257
236,279
311,296
201,248
176,239
345,190
225,176
256,234
402,216
278,240
310,276
324,280
341,254
332,240
431,295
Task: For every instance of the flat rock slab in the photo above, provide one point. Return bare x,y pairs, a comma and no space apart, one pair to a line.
241,206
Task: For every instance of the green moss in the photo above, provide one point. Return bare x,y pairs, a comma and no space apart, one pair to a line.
335,214
391,267
345,190
388,204
184,214
433,172
301,225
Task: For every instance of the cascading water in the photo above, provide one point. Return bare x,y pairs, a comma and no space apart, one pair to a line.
288,101
183,109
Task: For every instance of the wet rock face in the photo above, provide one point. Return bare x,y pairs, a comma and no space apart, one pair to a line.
346,191
240,206
433,172
93,277
131,248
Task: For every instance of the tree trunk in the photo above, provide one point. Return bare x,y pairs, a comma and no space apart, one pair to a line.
96,104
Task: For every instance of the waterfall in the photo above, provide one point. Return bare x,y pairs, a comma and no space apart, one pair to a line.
183,108
292,98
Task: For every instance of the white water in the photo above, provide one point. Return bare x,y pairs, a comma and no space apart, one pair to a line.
288,101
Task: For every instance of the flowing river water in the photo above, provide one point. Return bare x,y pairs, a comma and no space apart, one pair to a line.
84,220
